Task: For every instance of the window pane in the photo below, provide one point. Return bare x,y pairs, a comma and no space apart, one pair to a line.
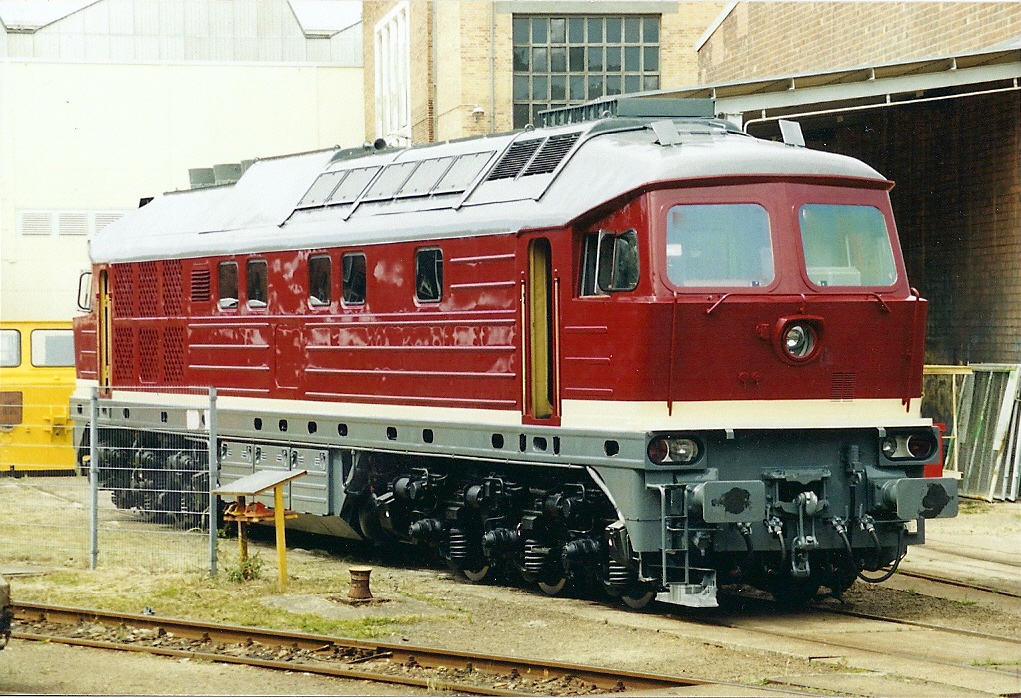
576,30
540,29
521,113
429,275
558,87
719,245
52,348
10,348
595,30
521,58
319,280
539,88
595,86
595,57
258,283
577,59
613,25
651,58
846,245
520,87
632,59
650,34
650,82
228,284
577,87
521,25
613,59
558,60
613,84
632,83
540,61
353,278
558,30
632,30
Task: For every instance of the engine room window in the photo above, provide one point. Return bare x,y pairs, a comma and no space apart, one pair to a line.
227,283
846,245
353,268
429,275
10,348
609,262
52,348
719,245
319,280
257,274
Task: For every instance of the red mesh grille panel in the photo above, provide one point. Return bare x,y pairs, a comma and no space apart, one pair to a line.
148,292
124,355
122,287
842,389
149,354
173,356
173,293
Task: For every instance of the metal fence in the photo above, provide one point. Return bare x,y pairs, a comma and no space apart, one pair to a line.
144,508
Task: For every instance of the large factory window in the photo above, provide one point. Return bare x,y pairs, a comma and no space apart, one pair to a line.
227,284
258,283
353,272
429,275
319,280
574,59
719,245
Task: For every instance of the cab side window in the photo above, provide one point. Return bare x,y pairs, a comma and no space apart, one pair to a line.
353,272
429,275
319,280
257,274
609,262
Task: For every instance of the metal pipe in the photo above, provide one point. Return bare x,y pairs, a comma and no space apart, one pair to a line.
94,479
214,454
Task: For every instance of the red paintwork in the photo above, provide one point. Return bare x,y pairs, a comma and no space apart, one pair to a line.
466,351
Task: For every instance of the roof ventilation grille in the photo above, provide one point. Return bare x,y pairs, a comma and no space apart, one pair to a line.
516,158
553,152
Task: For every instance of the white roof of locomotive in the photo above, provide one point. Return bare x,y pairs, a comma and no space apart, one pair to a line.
607,159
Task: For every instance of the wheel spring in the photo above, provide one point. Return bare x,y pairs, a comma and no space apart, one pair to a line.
535,557
458,545
618,575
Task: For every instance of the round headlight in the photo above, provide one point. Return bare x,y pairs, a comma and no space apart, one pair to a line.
890,446
683,450
921,446
799,340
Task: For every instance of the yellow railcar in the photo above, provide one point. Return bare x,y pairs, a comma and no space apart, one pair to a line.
36,379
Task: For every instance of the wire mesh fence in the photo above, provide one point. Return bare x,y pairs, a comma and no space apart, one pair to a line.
147,504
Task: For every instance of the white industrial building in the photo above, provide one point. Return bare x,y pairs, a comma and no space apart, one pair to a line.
104,102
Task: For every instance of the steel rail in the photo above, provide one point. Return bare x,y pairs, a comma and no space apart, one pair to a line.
959,583
496,667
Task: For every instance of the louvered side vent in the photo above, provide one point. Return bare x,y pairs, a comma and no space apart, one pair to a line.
553,152
123,285
72,223
173,356
36,223
199,285
842,389
148,292
515,159
173,291
148,354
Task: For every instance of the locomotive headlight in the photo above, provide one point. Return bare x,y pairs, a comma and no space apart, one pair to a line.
679,450
799,340
915,445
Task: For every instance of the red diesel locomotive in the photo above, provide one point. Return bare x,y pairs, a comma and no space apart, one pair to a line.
648,353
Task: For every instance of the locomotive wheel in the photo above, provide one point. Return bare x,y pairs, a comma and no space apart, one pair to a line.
553,586
476,576
638,597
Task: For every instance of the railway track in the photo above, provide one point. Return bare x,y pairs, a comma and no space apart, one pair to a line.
435,669
959,583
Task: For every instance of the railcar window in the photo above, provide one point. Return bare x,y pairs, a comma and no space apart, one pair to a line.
353,272
429,275
227,283
846,245
609,262
319,280
719,245
52,347
10,348
257,275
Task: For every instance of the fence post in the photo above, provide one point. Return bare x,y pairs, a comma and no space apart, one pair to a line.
214,456
94,478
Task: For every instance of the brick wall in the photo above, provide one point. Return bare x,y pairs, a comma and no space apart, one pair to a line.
957,201
759,39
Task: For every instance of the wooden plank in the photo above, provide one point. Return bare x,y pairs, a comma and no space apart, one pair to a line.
255,483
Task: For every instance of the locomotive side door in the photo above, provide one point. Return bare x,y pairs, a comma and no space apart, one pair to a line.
539,310
103,331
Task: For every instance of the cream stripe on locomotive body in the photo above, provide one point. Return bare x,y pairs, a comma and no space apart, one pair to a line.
638,353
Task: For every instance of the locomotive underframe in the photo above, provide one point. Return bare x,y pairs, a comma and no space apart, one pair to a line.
784,510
